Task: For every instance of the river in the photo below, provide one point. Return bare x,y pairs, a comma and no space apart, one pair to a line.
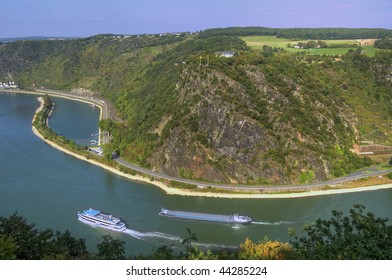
48,188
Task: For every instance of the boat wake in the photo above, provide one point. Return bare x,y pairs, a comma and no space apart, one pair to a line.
160,235
144,235
273,224
215,246
141,236
157,235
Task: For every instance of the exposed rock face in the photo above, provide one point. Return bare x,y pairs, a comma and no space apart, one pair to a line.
226,137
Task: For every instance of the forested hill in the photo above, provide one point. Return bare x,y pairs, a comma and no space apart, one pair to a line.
263,116
78,60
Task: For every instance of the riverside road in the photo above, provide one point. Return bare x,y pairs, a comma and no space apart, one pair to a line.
366,173
369,172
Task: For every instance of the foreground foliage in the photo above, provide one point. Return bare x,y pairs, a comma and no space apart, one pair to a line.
266,250
22,241
358,235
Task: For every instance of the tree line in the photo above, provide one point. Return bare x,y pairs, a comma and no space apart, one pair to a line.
300,33
385,43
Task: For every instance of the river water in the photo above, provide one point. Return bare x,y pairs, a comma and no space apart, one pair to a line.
48,188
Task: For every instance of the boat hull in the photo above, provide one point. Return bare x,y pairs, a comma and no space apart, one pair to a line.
97,225
97,219
232,219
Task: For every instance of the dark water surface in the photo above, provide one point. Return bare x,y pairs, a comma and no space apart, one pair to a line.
48,187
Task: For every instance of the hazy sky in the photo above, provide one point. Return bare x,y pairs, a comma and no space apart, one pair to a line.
83,18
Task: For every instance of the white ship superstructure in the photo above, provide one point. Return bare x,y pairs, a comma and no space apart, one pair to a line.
98,219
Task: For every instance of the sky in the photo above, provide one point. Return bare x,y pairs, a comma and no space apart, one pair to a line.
82,18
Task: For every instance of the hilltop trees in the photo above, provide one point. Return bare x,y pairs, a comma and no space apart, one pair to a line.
300,33
385,43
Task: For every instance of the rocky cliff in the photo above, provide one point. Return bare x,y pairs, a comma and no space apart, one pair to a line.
232,133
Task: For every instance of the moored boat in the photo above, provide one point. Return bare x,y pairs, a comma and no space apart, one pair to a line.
98,219
233,219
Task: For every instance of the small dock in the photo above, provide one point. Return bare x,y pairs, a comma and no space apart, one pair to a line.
96,150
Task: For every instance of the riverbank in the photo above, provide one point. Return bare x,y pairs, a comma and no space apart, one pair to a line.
182,192
90,101
81,157
185,192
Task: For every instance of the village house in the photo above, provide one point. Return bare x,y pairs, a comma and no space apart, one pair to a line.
225,54
8,85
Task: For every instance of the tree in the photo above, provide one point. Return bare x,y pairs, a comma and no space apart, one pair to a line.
65,246
162,253
190,238
23,235
266,250
267,51
20,240
196,254
188,242
356,236
385,43
311,44
8,248
111,249
107,125
322,44
192,250
108,151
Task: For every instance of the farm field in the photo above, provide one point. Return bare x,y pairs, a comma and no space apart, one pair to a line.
257,42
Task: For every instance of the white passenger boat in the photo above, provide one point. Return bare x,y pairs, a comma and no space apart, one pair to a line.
96,218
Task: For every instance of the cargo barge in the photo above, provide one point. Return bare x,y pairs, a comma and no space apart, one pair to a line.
233,219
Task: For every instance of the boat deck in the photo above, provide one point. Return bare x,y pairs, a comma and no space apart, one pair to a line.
201,216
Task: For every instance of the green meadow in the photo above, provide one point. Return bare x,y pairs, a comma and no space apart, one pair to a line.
257,42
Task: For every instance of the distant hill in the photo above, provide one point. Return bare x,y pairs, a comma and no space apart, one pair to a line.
262,116
34,38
